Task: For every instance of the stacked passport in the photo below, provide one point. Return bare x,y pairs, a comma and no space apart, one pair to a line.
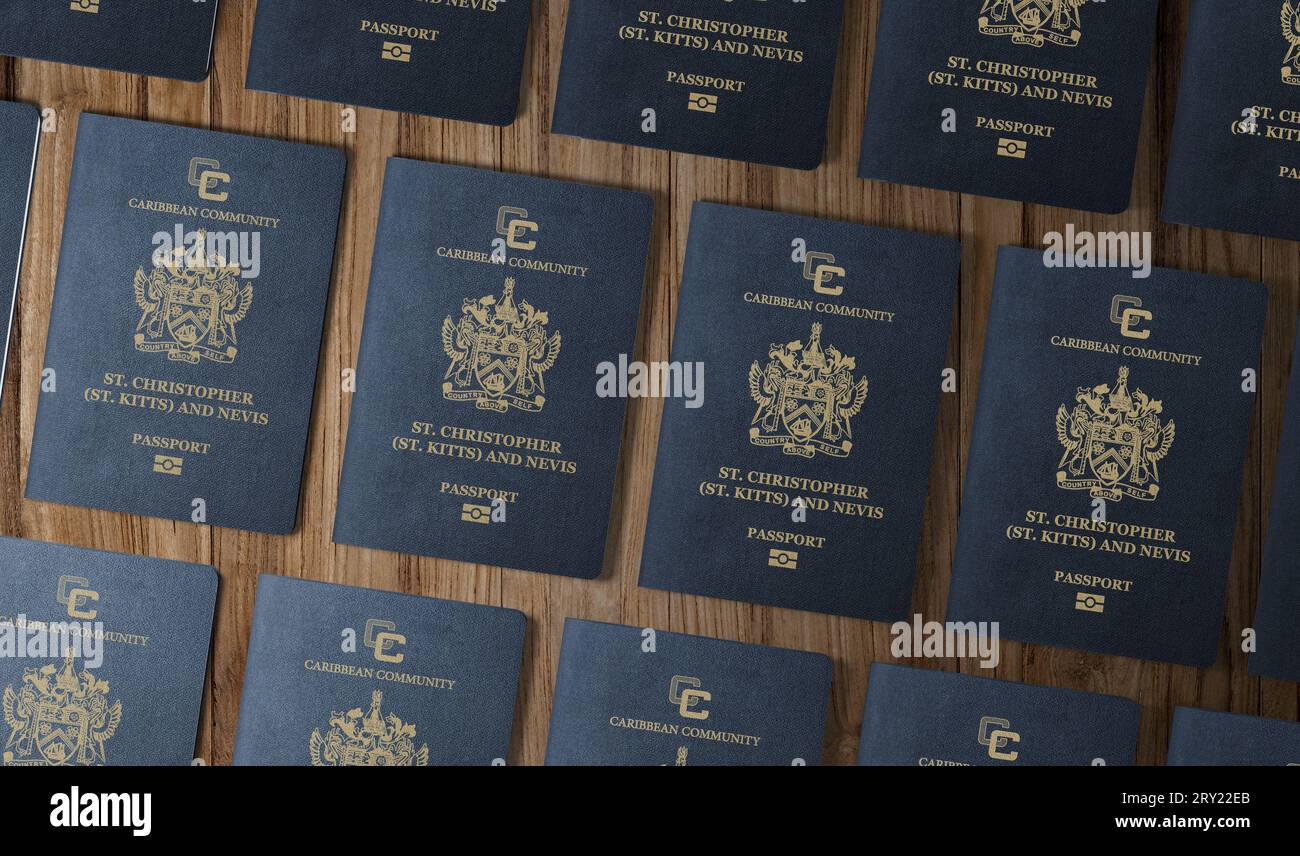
163,38
186,324
19,138
477,431
1018,99
922,717
341,677
104,656
745,81
1277,615
1204,738
1235,159
639,696
459,60
1106,460
802,480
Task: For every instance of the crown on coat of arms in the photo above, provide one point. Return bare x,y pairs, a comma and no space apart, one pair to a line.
1114,441
367,739
500,352
59,717
806,397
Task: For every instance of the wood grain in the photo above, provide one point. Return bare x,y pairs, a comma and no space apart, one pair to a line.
675,182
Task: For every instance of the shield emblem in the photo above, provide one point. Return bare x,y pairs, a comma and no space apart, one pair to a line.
498,361
1033,15
805,407
59,732
191,313
1113,451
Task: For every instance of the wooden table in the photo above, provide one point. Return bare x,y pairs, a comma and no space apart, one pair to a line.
675,181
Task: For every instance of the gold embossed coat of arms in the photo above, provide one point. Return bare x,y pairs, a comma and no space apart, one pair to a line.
1033,22
58,717
1291,32
190,306
500,352
807,397
357,739
1114,442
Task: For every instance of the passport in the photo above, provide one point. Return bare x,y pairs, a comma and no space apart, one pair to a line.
459,59
632,696
744,81
1207,738
477,432
1277,628
20,133
1234,160
102,656
161,38
339,676
186,324
926,718
1106,458
1033,101
801,480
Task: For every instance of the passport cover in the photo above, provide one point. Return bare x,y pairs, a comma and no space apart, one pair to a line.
632,696
824,345
476,431
186,324
1277,612
162,38
1207,738
349,677
118,677
1032,100
459,59
745,81
1234,162
20,135
926,718
1106,458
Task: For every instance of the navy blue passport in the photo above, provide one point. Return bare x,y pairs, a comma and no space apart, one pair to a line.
633,696
477,432
104,656
339,676
745,81
186,324
458,59
1277,612
1106,458
927,718
161,38
1233,162
1032,100
801,480
19,138
1207,738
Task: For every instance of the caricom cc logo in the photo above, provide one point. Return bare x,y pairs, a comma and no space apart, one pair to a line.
74,594
1128,313
686,694
206,175
381,638
995,733
820,269
513,224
